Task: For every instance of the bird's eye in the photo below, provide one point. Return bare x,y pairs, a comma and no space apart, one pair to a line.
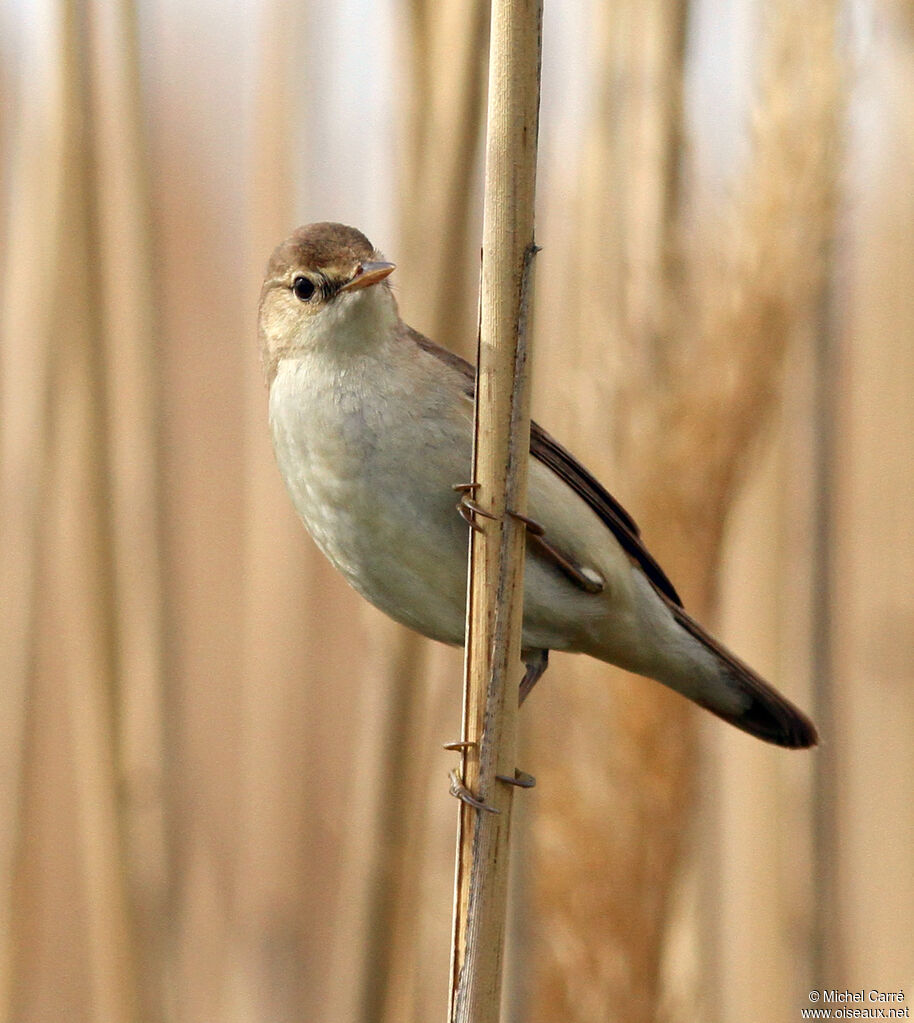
303,289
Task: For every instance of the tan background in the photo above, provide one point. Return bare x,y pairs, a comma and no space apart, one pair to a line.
222,793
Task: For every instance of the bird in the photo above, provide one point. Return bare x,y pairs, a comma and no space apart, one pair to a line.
372,429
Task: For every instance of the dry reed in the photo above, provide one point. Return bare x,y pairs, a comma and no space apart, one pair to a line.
695,348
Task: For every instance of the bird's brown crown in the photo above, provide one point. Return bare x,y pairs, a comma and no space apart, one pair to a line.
321,245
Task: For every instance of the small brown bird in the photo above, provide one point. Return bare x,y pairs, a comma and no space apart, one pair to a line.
372,426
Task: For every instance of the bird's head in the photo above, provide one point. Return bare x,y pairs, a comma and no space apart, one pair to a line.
320,289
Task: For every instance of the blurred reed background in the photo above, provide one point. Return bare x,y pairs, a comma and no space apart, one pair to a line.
222,793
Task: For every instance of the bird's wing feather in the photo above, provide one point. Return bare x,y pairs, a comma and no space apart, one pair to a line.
548,451
623,526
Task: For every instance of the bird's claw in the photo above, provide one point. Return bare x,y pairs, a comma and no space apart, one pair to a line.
461,792
468,508
534,528
521,779
587,578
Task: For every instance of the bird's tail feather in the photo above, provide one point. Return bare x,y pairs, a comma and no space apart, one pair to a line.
765,713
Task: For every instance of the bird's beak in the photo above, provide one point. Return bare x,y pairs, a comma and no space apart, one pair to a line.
367,274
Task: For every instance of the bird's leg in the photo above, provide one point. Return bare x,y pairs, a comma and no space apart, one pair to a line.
536,661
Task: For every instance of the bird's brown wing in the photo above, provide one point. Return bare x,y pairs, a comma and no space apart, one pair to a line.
548,451
623,526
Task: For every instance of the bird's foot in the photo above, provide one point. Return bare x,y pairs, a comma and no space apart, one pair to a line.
457,788
461,792
587,578
467,508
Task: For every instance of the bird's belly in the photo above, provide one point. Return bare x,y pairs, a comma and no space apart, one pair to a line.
408,559
387,522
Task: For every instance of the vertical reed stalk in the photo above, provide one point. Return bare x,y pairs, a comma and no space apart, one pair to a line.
502,442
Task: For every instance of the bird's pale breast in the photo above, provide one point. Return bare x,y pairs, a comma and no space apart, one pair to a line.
379,507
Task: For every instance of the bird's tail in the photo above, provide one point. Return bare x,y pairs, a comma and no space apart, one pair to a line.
747,700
